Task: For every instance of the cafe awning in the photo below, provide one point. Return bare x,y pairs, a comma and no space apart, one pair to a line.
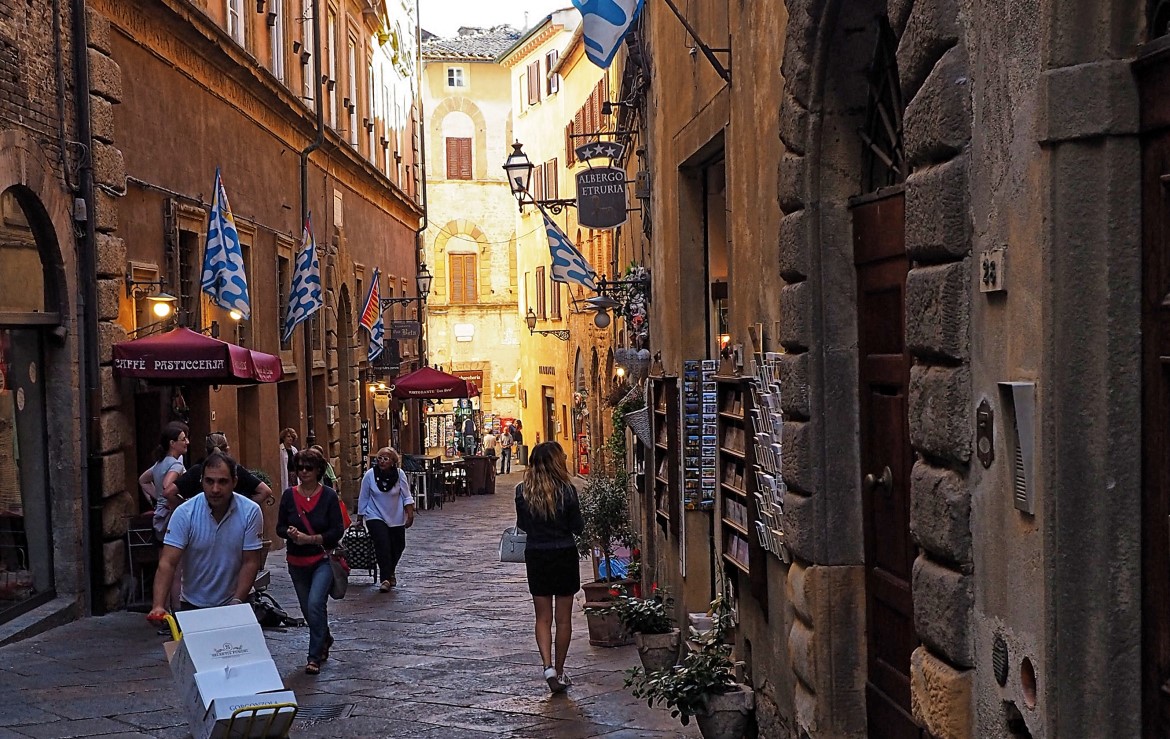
184,356
427,382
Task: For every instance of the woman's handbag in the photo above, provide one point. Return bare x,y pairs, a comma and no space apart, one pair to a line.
512,544
359,548
340,567
337,562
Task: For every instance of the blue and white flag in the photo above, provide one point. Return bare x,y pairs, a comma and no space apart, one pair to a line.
371,318
224,278
305,296
568,265
604,24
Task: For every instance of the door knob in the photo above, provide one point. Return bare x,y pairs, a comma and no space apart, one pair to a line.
884,483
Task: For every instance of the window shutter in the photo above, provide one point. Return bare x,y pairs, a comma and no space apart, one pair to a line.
541,310
554,80
452,158
470,275
570,154
534,83
464,159
554,186
457,278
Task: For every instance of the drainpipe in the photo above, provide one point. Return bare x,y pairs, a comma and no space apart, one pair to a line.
88,356
310,436
420,242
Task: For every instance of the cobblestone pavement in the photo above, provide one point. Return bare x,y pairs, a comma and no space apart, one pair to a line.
448,654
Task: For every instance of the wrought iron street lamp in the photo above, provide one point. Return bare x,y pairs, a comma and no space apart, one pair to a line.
422,283
530,319
519,170
613,294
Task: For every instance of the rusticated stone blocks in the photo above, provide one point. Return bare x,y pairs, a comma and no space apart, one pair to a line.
114,561
796,331
795,247
940,513
115,431
116,513
938,311
940,696
933,27
109,167
797,466
109,298
943,602
794,385
938,120
111,255
108,335
791,185
938,221
105,77
794,125
940,415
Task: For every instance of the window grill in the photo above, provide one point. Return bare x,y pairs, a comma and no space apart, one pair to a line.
883,153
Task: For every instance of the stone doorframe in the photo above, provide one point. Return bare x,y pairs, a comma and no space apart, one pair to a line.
822,108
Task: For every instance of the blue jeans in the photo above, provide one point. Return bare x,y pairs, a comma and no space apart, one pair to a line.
312,584
506,460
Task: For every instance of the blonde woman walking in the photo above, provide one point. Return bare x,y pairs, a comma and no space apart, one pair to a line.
548,510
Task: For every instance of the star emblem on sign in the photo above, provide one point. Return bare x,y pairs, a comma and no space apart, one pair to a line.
597,150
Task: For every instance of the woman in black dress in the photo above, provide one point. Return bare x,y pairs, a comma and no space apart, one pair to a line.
548,510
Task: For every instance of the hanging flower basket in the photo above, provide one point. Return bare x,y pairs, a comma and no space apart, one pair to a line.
639,421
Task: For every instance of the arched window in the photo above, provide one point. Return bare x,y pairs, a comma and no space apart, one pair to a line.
884,156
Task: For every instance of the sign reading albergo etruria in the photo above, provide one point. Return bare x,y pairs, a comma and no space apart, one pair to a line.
601,191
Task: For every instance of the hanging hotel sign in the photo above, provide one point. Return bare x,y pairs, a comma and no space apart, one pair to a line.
601,191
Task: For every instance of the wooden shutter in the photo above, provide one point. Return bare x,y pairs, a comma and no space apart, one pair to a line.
554,299
570,154
463,278
458,159
554,80
550,172
541,304
534,83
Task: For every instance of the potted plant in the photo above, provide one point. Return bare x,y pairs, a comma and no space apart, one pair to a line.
605,510
703,684
649,621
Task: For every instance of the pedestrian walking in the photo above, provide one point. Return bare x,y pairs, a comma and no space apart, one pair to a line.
310,519
549,511
217,537
489,445
288,451
386,507
505,444
190,483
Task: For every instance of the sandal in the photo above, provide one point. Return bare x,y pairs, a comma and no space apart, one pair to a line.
312,668
384,587
325,649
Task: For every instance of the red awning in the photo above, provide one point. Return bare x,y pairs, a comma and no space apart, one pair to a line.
427,382
182,355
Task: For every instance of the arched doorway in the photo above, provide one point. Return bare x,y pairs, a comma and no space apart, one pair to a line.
31,311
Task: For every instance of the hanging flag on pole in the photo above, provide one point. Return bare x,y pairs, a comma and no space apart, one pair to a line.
371,319
604,24
568,265
305,296
224,278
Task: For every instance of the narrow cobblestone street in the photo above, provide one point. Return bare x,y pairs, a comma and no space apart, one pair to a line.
448,654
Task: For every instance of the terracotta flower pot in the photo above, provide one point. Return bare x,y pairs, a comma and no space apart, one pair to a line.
658,651
605,630
727,714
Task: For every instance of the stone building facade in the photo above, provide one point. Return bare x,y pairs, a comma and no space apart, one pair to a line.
185,88
472,321
951,264
45,548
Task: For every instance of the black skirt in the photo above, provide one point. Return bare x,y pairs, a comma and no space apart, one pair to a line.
552,571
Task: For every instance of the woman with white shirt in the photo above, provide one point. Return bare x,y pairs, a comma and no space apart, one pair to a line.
386,508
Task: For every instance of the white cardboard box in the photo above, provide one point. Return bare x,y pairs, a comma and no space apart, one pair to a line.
222,663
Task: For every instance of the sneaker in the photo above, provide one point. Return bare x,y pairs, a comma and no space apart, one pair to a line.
564,682
554,684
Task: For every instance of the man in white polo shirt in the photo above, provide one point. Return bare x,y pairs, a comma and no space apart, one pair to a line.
217,535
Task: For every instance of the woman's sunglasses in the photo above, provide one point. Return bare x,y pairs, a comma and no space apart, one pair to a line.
306,468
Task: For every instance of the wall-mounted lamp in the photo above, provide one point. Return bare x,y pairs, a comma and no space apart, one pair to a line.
162,303
519,169
530,319
382,404
422,283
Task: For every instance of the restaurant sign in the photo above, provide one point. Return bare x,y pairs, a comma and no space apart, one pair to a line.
601,197
405,330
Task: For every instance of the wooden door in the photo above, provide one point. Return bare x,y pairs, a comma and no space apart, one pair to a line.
886,461
1154,81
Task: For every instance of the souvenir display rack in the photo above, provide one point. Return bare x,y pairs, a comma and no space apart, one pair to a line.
664,419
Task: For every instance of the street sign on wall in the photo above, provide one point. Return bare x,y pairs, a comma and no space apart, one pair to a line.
601,197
